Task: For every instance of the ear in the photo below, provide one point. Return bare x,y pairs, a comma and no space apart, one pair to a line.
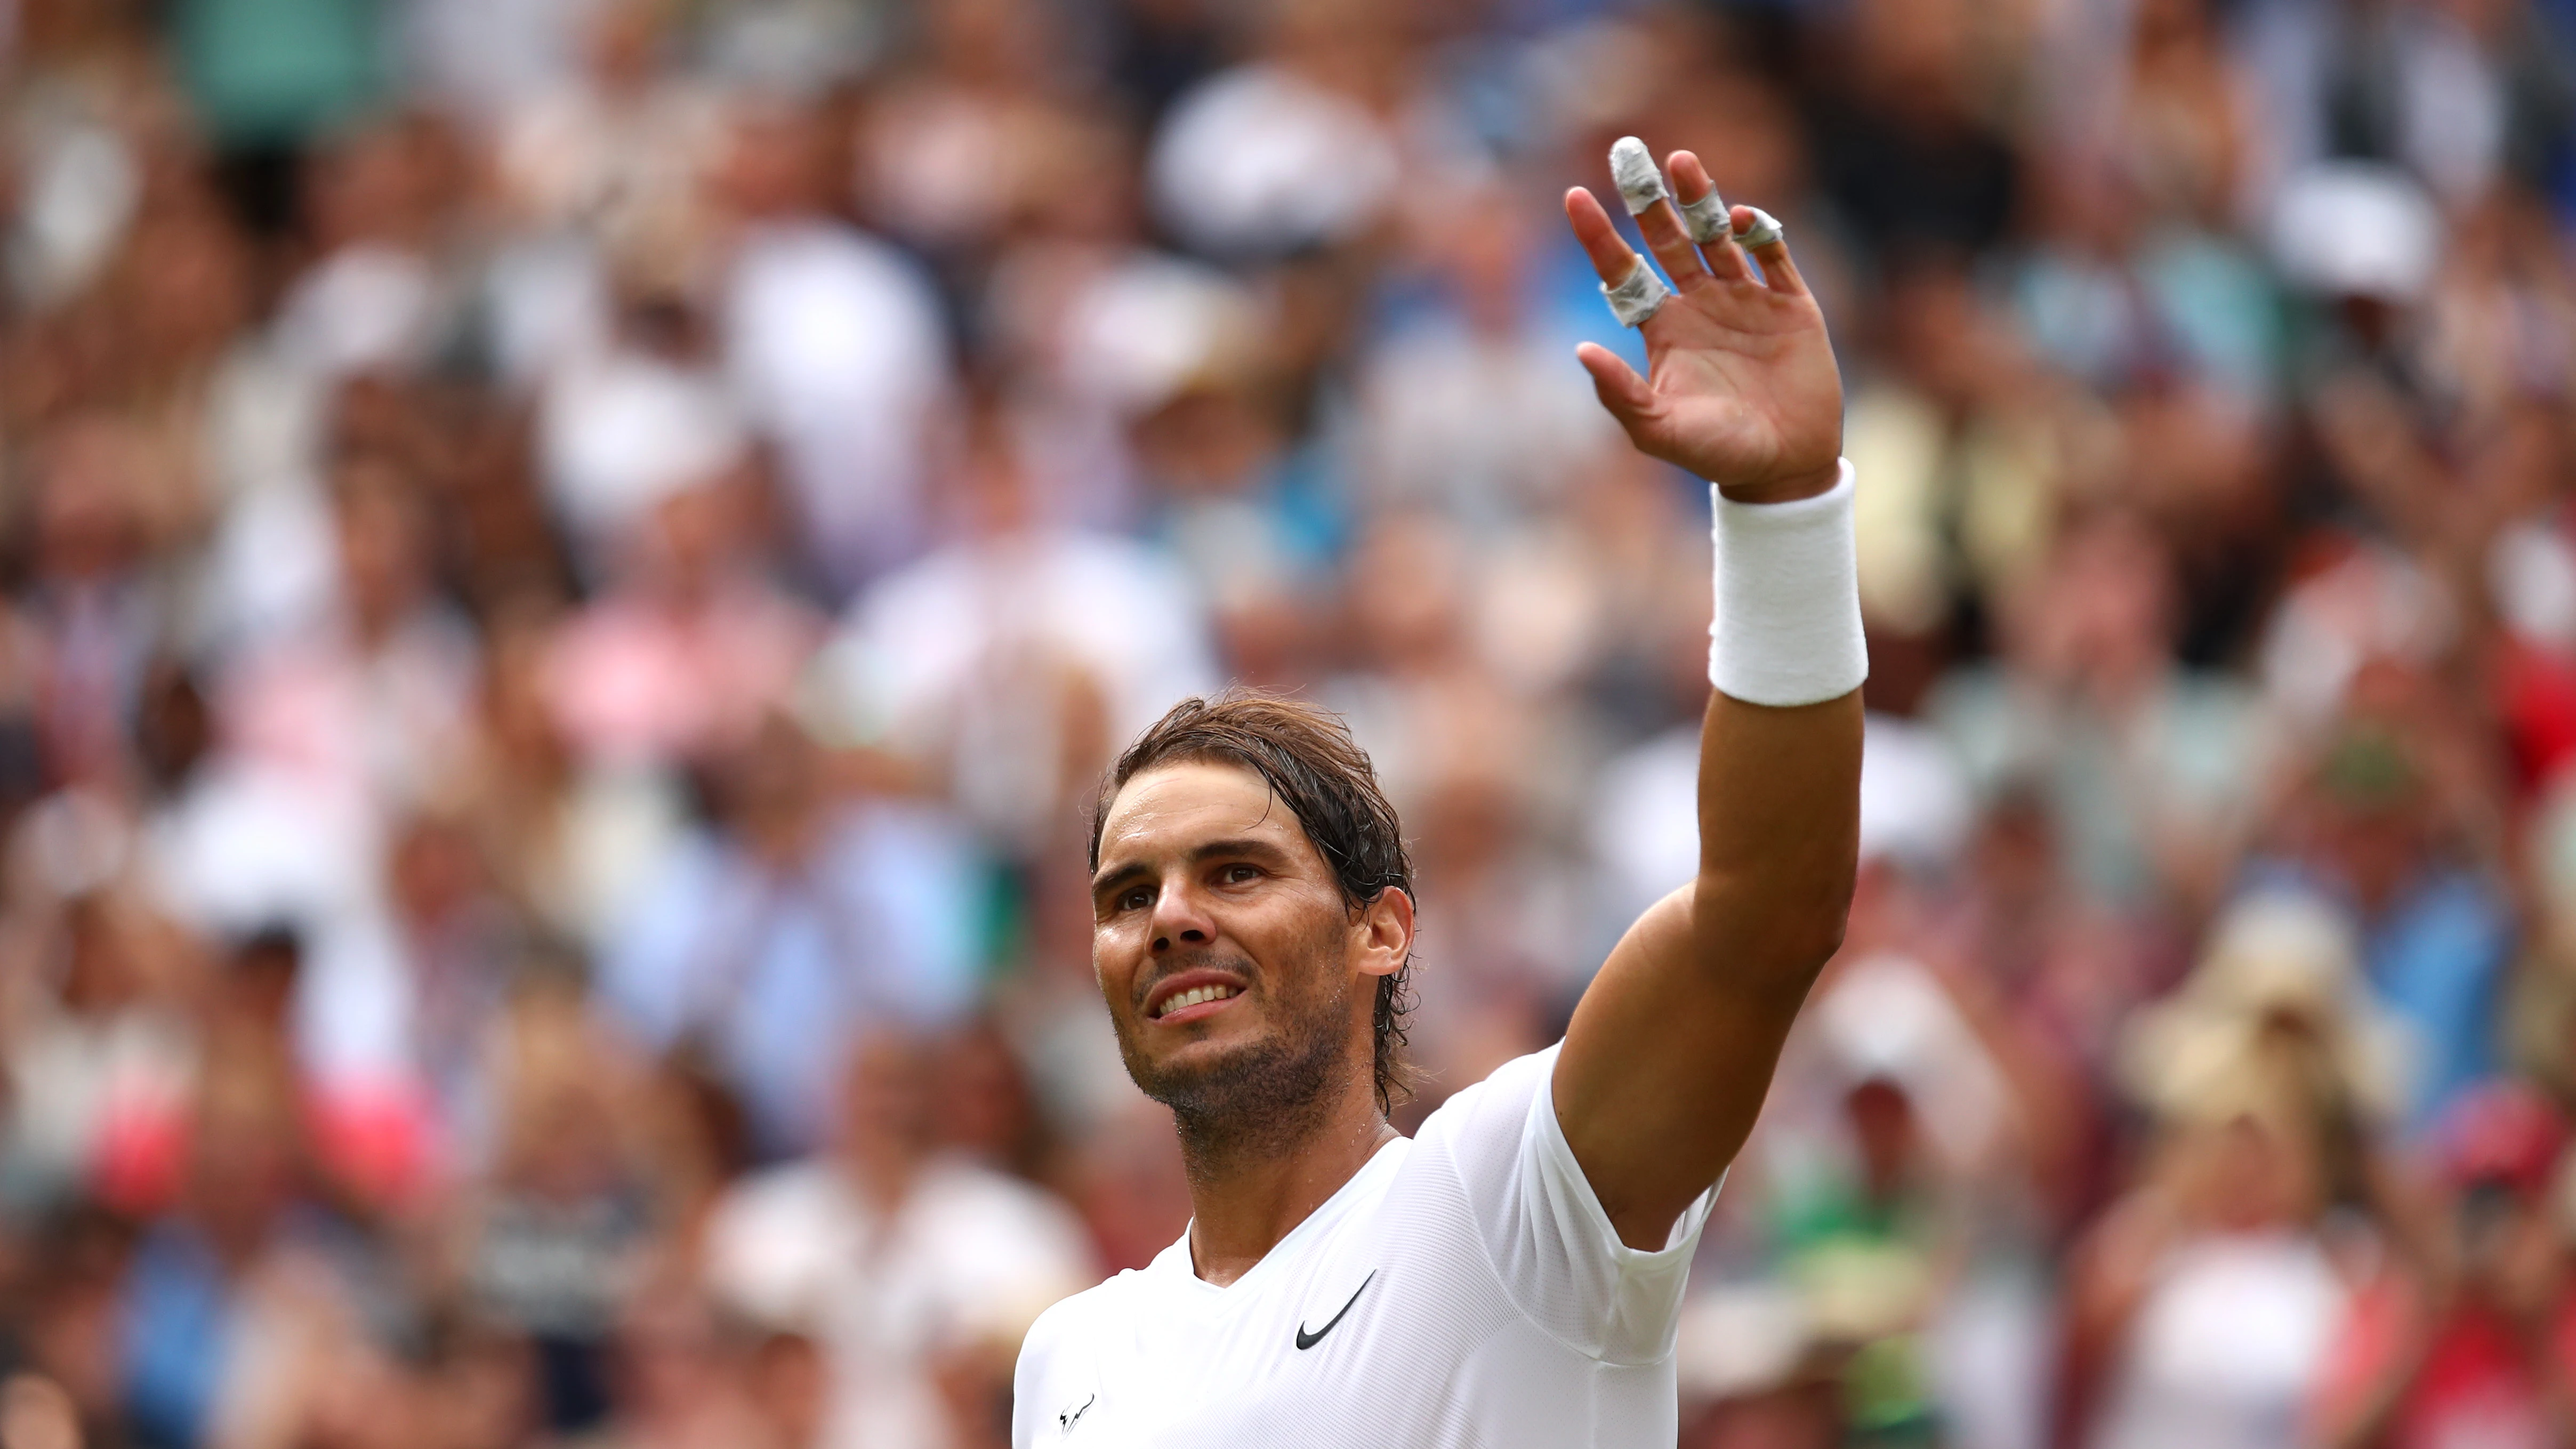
1384,933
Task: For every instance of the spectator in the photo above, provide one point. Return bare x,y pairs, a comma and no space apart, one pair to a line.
2145,765
2482,1349
558,1239
2204,1305
1016,658
2435,942
568,569
835,344
907,1265
788,921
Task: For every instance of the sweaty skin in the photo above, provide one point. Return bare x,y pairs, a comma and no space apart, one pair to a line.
1206,877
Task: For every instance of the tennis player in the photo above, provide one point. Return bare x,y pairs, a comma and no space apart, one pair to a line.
1511,1275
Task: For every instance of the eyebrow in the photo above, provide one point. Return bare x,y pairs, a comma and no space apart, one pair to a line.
1238,845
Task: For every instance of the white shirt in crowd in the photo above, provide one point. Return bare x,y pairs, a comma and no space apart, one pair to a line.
834,345
2225,1350
1465,1288
964,1263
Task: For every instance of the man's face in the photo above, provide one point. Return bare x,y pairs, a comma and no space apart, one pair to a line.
1235,974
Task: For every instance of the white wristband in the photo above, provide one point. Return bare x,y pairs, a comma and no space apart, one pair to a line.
1787,629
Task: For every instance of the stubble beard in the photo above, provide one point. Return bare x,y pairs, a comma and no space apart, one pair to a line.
1264,1097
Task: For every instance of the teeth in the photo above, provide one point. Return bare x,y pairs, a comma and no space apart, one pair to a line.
1194,996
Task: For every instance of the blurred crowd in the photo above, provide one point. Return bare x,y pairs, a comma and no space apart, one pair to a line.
568,569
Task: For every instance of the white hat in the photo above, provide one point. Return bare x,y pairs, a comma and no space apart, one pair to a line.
2271,955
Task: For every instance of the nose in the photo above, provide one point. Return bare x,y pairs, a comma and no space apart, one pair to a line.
1180,919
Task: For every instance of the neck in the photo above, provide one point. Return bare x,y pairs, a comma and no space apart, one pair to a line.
1252,1184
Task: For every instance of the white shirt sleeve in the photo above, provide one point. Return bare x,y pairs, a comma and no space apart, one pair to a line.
1543,1227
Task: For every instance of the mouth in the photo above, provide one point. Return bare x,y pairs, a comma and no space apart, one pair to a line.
1191,996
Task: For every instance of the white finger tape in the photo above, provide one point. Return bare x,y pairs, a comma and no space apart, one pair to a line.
1638,296
1633,171
1706,218
1787,628
1765,230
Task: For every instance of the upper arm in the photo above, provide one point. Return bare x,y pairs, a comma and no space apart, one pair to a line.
1671,1049
1544,1233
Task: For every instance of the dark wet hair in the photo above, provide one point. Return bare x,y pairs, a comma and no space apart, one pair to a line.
1317,770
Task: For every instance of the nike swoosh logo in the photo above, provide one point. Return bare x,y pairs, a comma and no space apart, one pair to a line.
1309,1340
1071,1417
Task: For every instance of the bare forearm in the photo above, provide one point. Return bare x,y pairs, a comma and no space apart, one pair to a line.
1671,1051
1779,829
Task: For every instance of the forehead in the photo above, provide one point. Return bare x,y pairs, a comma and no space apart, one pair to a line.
1174,806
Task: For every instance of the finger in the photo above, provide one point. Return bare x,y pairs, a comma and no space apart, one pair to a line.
1641,186
1705,217
1761,236
1611,255
1628,284
1617,384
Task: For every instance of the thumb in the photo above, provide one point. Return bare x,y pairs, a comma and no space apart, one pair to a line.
1618,386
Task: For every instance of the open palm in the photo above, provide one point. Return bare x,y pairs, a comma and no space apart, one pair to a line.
1741,386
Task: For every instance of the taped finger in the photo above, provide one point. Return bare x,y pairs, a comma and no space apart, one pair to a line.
1633,171
1637,296
1765,240
1765,230
1641,185
1706,219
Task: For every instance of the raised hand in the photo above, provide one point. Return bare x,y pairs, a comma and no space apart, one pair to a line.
1741,386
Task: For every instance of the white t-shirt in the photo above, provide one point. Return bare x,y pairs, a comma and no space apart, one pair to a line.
2225,1348
1464,1288
964,1262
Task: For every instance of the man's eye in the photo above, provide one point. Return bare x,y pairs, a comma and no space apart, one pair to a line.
1134,901
1238,874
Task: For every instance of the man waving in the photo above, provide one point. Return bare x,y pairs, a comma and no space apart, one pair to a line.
1512,1274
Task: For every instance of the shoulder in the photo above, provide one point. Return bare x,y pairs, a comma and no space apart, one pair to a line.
1480,1142
1070,1316
1497,1106
1069,1332
1059,1366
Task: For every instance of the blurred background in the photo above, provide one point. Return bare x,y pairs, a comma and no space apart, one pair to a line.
568,568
